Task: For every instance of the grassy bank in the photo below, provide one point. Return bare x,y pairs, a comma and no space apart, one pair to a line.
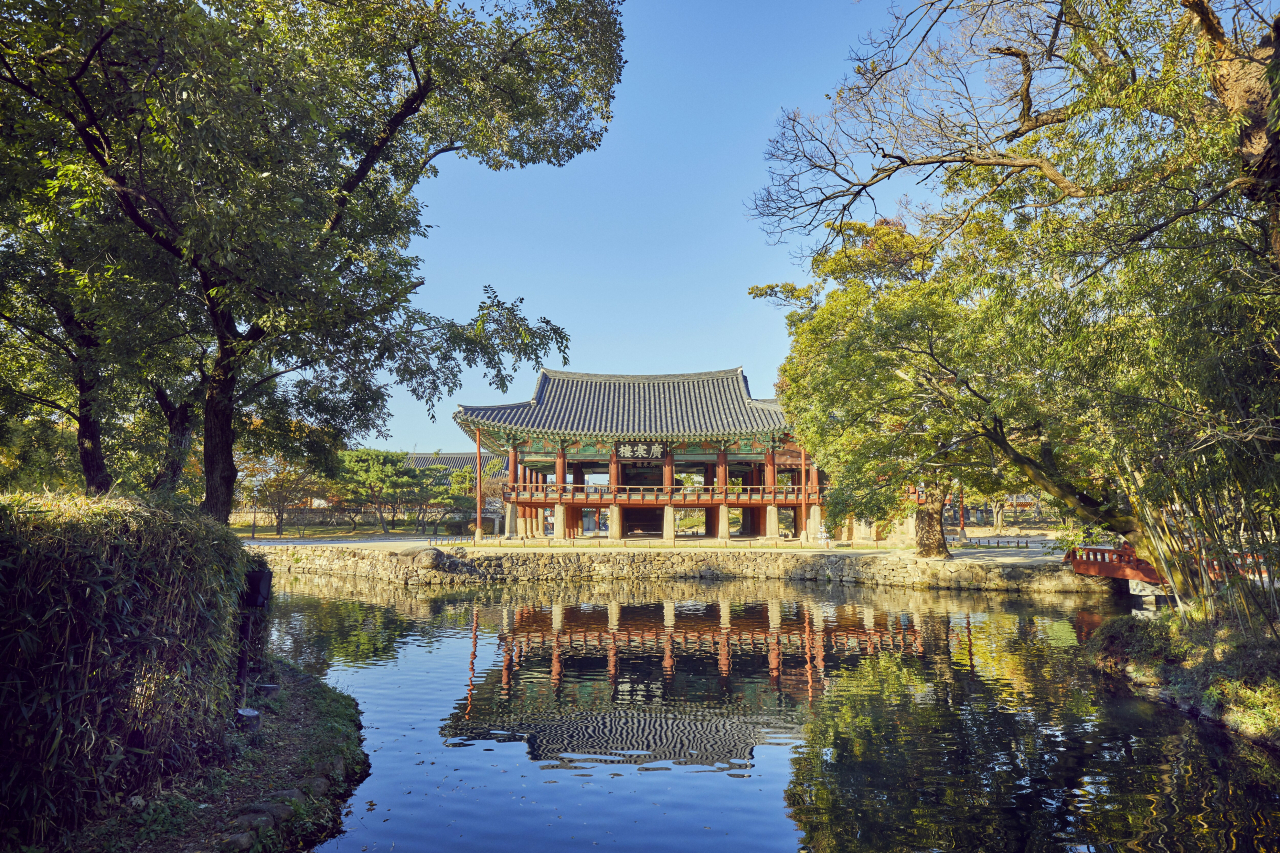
306,758
1208,667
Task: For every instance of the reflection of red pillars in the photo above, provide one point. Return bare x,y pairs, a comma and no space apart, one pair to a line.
808,654
613,661
506,666
669,657
775,658
475,628
725,662
821,651
555,662
516,653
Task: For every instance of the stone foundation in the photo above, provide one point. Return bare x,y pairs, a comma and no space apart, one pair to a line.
462,566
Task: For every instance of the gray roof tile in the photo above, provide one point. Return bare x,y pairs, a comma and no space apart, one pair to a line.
451,461
714,404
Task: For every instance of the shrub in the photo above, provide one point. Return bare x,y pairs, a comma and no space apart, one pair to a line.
118,632
1147,641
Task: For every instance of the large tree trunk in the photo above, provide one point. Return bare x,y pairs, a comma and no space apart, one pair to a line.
1044,473
219,436
97,479
177,442
931,539
93,463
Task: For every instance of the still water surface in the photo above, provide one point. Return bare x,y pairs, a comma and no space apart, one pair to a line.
761,716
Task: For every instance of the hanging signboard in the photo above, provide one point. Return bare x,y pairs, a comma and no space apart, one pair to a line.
647,450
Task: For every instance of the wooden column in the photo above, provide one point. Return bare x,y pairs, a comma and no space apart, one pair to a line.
802,523
668,470
560,467
479,491
709,475
722,469
770,469
615,470
513,462
578,479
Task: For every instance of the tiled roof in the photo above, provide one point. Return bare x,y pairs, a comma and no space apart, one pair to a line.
715,404
451,461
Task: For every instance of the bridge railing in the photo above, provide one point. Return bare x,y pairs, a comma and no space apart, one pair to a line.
1122,562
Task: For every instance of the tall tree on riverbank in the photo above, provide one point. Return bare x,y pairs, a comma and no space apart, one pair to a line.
908,367
271,150
1114,169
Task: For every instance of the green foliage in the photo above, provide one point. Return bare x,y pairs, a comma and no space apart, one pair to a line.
1211,662
1147,641
378,478
273,168
119,638
36,453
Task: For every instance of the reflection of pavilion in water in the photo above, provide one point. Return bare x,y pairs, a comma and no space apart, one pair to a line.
692,682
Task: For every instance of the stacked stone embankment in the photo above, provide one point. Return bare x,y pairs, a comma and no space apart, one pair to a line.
463,566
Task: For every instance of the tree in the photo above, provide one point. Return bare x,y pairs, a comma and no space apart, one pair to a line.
70,351
849,388
1135,116
280,484
437,498
915,367
1125,152
275,159
378,478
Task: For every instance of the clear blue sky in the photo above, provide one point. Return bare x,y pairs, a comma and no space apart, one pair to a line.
642,250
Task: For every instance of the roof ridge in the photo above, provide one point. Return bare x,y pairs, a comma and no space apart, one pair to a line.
641,377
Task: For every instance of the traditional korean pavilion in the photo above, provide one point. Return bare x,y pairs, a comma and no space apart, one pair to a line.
627,453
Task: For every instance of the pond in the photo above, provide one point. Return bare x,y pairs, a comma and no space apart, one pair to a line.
758,716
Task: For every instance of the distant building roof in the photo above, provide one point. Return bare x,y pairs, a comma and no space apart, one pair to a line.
452,461
714,404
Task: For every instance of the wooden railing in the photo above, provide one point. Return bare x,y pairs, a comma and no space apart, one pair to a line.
661,495
1122,562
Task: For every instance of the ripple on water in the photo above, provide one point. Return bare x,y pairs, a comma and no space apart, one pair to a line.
758,716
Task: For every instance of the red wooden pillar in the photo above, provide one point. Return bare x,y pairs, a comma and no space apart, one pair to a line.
770,470
578,479
560,467
709,475
513,462
668,470
722,469
802,523
615,470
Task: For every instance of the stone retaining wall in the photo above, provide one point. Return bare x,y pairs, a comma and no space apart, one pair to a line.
460,566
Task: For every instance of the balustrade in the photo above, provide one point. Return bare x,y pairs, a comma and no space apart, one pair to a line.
658,495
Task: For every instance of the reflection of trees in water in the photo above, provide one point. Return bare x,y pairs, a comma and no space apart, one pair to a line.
316,632
986,733
1012,753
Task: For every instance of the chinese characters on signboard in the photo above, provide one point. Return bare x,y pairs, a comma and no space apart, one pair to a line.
647,450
